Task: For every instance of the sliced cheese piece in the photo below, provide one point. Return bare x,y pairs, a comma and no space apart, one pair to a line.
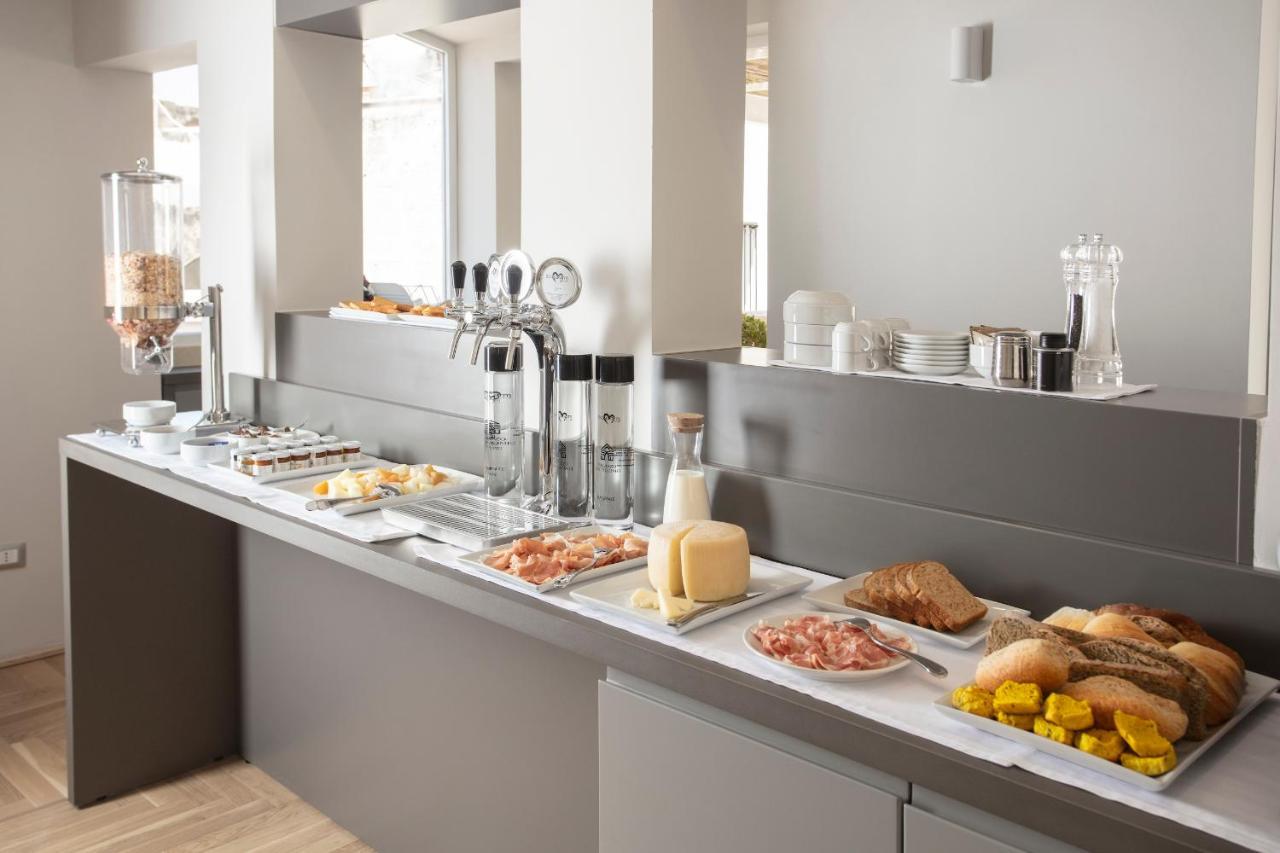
715,561
671,606
644,599
664,556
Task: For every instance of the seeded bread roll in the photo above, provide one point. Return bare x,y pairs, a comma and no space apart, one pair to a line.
1159,630
1110,625
1033,661
1107,694
1224,678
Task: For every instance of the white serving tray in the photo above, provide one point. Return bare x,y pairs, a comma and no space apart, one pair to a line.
476,560
459,481
843,675
614,594
1257,688
365,461
429,322
831,597
362,316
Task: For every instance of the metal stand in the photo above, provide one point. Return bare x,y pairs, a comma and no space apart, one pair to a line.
211,308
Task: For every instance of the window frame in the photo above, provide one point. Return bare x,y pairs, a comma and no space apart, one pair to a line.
450,165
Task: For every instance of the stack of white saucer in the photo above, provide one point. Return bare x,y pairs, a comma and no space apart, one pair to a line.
930,353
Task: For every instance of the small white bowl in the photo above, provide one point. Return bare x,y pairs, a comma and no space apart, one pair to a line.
810,356
145,413
162,439
214,450
812,334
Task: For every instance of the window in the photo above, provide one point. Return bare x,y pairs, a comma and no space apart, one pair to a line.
755,184
407,223
176,147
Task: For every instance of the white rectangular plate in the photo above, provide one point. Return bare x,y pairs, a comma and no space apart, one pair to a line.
1257,688
615,594
429,322
363,316
459,481
365,461
476,560
831,597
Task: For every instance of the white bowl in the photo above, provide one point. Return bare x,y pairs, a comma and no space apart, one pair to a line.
811,356
162,439
215,449
980,358
818,307
145,413
808,333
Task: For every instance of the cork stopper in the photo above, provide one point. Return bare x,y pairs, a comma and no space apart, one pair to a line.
685,421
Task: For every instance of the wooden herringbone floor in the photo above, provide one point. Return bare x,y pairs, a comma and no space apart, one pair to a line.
227,806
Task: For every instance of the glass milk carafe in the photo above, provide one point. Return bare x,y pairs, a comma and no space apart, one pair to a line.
1098,360
686,498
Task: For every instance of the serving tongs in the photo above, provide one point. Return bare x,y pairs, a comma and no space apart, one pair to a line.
685,618
380,491
569,577
930,666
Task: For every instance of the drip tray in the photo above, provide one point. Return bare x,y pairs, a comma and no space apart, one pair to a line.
471,521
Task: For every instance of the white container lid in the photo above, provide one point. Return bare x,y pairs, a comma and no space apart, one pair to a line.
818,297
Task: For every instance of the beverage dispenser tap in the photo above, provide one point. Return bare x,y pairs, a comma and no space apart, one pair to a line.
480,274
515,276
458,305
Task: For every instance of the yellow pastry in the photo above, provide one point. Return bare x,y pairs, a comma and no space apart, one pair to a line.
1014,698
1150,766
1073,714
974,700
1052,731
1026,722
1100,742
1141,735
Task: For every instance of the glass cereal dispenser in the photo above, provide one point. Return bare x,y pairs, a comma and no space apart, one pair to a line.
142,264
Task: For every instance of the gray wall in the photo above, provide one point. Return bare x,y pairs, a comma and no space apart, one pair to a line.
947,203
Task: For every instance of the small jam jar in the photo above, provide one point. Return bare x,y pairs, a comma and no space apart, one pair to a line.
283,460
262,463
350,451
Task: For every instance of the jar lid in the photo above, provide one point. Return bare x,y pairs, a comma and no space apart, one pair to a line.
328,439
1053,340
141,174
818,297
495,359
282,454
573,368
350,445
686,421
615,367
263,457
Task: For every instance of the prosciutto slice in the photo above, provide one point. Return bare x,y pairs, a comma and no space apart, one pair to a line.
815,642
547,557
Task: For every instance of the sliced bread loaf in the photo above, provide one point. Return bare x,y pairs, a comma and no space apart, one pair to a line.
944,599
1193,689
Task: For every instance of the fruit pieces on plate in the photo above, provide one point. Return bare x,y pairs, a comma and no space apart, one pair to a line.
409,479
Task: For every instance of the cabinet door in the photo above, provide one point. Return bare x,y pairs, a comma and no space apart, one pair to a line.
671,781
926,833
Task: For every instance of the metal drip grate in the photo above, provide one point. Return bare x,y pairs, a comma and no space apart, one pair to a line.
470,521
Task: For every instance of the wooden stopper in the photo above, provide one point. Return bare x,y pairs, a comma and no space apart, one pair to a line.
685,421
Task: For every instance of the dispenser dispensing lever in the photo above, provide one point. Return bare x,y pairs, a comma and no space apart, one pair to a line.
514,282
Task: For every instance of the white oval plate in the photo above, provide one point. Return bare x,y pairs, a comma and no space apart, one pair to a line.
826,674
915,347
931,359
930,337
930,369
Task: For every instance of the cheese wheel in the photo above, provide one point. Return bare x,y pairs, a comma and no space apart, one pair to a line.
715,561
664,556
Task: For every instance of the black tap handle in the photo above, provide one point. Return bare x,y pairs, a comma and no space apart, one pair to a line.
459,277
480,273
514,275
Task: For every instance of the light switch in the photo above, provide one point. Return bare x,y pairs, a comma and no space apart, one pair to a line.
13,556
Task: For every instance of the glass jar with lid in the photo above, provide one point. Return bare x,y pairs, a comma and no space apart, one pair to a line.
686,498
142,265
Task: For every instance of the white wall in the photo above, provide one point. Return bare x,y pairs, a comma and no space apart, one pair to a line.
632,167
58,360
947,203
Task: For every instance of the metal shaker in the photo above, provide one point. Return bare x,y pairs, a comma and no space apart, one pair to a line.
1011,359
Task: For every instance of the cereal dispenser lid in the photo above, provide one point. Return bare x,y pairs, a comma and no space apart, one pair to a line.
142,174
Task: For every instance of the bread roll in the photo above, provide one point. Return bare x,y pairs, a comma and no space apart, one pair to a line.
1074,618
1114,625
1159,630
1107,694
1226,681
1032,661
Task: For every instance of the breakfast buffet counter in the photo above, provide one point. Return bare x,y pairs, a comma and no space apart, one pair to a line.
250,627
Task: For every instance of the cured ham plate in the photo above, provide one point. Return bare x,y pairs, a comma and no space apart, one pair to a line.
481,560
825,652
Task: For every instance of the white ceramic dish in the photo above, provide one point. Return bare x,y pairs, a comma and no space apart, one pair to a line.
843,676
927,336
476,560
364,316
1257,689
903,364
807,333
614,594
957,357
429,322
459,481
932,369
365,461
949,346
145,413
162,439
811,356
820,307
831,597
206,451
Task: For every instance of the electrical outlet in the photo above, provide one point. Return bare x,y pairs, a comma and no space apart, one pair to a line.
13,556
